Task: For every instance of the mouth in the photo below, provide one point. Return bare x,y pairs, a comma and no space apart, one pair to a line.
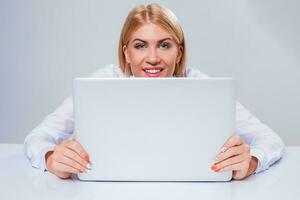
153,71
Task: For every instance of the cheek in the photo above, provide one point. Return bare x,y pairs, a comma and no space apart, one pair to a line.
170,58
136,58
172,63
171,55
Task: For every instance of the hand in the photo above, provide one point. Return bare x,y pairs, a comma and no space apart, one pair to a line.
235,156
68,158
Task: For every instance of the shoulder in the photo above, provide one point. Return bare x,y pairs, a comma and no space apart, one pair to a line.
109,71
194,72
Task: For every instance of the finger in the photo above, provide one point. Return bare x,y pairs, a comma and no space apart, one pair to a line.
70,162
235,167
61,167
233,151
76,146
234,140
68,153
231,161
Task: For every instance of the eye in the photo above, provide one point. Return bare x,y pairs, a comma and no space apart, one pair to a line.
164,45
140,45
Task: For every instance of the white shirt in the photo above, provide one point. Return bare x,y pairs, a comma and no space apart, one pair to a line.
264,143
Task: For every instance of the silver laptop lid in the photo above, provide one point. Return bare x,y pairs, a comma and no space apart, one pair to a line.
163,129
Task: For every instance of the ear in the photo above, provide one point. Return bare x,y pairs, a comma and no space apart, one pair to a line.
179,54
125,51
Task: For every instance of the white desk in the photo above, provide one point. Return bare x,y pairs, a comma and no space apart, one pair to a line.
18,180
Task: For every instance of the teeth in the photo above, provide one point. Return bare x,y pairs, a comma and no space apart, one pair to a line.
152,71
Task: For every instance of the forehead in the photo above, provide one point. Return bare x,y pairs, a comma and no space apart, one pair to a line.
150,32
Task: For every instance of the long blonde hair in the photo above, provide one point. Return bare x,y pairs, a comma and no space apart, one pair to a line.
160,16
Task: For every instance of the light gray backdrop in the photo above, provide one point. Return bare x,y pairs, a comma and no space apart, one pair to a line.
45,44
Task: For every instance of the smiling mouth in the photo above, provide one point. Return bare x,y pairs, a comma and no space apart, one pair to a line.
152,71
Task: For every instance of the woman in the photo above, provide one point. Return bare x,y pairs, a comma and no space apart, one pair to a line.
151,44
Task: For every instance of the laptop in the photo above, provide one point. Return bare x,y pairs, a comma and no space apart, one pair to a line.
153,129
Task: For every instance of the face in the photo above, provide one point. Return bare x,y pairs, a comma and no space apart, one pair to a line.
152,52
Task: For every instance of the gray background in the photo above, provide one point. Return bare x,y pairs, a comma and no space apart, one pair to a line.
45,44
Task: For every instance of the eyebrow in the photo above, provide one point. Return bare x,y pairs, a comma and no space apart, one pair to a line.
159,41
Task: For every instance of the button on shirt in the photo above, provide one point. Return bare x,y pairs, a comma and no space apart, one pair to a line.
264,143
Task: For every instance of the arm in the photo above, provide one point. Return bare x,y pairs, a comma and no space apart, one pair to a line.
264,143
254,148
55,128
47,146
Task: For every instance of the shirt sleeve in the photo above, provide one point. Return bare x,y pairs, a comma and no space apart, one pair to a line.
264,143
56,127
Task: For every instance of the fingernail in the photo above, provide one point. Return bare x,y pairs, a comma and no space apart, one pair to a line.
86,158
81,170
223,149
88,166
213,167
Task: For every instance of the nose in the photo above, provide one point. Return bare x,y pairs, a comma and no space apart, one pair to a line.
153,57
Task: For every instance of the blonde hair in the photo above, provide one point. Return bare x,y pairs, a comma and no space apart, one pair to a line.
160,16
